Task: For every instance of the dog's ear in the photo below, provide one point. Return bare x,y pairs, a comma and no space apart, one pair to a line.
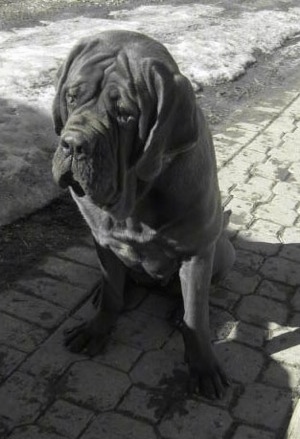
59,107
175,125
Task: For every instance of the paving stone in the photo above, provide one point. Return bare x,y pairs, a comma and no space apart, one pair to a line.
22,398
294,173
246,432
144,403
264,142
117,426
71,272
81,254
294,425
35,310
61,293
9,360
241,212
262,311
94,385
248,334
52,358
291,248
159,369
280,210
241,283
272,170
223,298
264,406
282,270
233,134
221,324
119,356
34,432
282,375
284,346
287,148
275,290
141,331
294,321
247,262
287,189
282,125
257,189
258,242
296,300
158,306
20,335
225,149
241,363
188,419
66,419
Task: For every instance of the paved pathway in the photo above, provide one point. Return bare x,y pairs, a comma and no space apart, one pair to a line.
136,389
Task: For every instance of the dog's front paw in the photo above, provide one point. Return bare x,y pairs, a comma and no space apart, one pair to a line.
208,379
91,336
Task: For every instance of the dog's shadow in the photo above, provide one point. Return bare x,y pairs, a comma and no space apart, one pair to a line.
255,319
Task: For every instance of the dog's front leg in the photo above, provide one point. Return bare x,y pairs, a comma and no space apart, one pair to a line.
90,336
206,376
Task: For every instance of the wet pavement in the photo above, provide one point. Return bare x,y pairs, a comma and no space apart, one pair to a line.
137,387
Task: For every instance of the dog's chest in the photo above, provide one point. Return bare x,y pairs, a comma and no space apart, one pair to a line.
136,244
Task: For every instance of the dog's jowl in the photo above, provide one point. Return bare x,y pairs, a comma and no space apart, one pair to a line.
138,158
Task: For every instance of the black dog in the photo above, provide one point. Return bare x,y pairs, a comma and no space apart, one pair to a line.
139,160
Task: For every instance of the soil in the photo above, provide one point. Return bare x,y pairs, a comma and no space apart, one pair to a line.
59,224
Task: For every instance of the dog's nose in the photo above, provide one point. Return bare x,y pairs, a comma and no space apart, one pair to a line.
73,144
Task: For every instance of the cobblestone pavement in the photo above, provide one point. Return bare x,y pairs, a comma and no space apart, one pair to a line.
136,388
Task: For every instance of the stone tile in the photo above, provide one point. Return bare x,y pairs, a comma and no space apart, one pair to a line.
264,406
282,125
66,419
41,312
141,331
9,360
287,148
282,375
240,283
19,334
241,212
22,398
223,298
248,334
71,272
275,290
291,248
61,293
284,346
52,359
294,171
142,403
159,369
81,254
117,426
258,242
192,417
94,385
282,270
241,363
158,306
248,262
280,210
294,321
296,300
34,432
263,142
119,356
257,189
221,324
272,170
262,311
294,425
246,432
287,189
225,149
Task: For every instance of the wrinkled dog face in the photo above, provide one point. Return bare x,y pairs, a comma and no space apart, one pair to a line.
118,110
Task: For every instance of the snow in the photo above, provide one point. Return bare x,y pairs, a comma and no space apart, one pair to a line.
209,44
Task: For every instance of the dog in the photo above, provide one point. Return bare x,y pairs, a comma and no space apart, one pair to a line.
138,158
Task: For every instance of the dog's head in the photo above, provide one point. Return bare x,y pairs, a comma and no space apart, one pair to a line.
122,110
